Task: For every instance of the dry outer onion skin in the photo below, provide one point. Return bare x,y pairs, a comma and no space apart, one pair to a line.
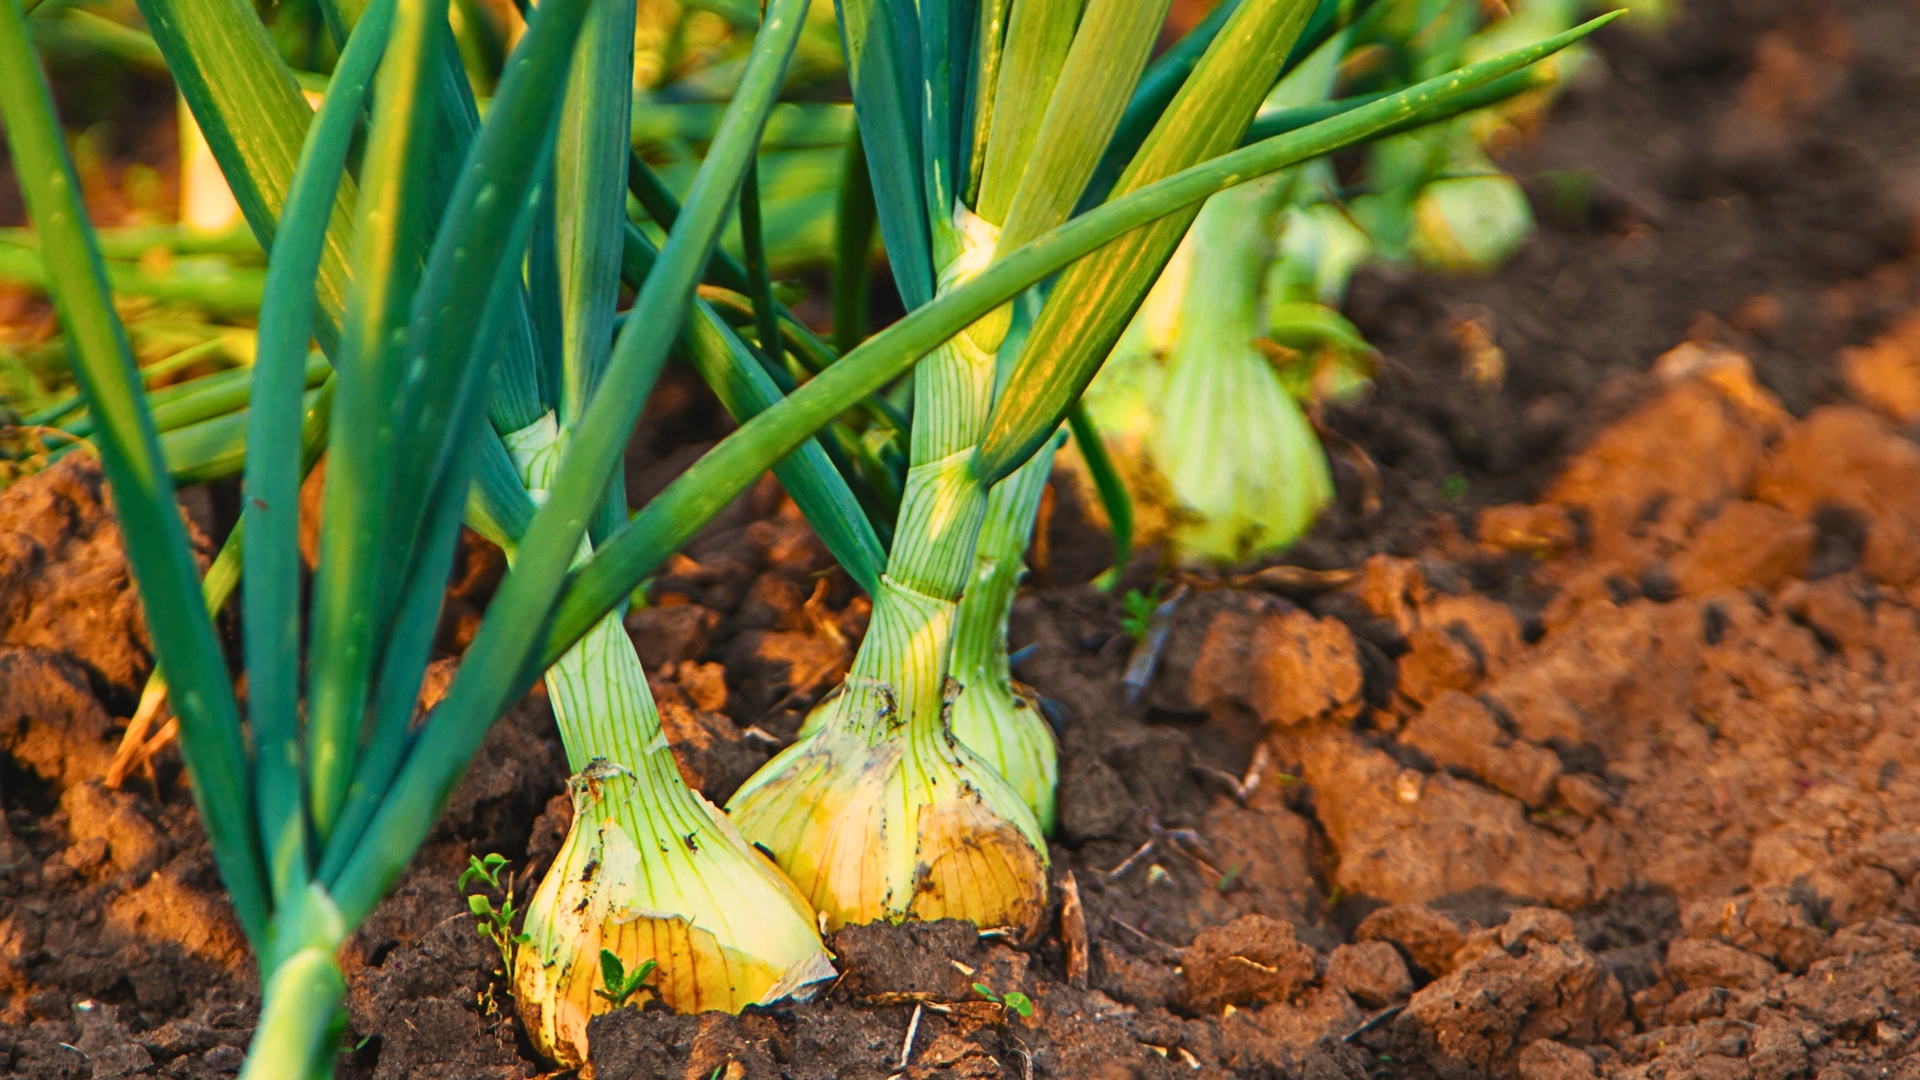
649,870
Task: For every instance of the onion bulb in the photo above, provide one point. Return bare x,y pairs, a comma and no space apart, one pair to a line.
883,814
649,870
1470,224
1195,403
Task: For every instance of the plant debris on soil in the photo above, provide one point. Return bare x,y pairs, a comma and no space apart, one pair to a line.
1599,758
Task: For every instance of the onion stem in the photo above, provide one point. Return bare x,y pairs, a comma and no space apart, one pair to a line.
993,716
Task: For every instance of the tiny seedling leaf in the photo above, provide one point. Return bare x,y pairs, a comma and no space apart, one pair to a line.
487,870
1138,611
641,974
618,985
473,870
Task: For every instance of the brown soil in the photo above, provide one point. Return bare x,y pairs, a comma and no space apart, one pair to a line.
1608,767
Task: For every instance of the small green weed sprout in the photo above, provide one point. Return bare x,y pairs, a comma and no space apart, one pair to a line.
1012,1000
1138,610
617,985
489,921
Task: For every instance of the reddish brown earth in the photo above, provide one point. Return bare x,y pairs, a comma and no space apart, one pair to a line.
1609,767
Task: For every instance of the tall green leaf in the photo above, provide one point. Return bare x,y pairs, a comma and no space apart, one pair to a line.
990,40
1156,89
753,241
724,270
410,643
157,544
271,512
515,622
353,586
853,226
1093,301
1097,73
590,198
1039,37
474,265
250,109
937,134
590,207
745,390
246,101
885,102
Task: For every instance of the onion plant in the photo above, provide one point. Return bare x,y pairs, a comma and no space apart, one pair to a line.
1204,409
1001,115
455,281
1200,402
1433,195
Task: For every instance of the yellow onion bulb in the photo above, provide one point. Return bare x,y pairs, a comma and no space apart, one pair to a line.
649,870
882,814
675,885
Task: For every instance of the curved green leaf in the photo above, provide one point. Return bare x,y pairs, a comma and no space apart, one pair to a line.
271,602
157,544
353,586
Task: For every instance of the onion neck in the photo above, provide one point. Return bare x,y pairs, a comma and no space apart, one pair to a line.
897,683
980,636
1231,244
602,705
